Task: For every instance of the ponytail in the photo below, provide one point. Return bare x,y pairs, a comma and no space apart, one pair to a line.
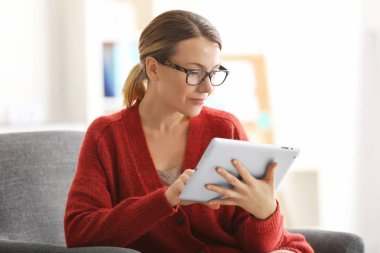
134,88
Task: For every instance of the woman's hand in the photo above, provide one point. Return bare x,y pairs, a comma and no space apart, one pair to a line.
254,195
174,190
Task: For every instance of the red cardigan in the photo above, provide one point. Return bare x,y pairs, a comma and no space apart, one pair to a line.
118,199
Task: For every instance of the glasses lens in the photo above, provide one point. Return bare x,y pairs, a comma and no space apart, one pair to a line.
195,77
218,77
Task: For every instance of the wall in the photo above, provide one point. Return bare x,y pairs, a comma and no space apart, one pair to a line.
367,208
24,61
42,62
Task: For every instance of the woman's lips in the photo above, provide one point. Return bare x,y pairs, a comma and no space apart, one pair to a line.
198,101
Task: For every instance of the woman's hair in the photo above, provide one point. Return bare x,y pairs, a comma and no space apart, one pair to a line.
159,40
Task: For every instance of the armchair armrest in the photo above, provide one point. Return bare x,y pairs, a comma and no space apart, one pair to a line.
10,246
330,241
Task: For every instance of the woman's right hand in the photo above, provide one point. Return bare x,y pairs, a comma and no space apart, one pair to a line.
174,190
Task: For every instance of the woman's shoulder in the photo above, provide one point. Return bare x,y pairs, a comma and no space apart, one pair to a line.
217,115
222,123
101,123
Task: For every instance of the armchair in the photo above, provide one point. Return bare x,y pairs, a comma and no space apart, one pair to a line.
36,171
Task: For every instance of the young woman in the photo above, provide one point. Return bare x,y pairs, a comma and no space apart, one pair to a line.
134,164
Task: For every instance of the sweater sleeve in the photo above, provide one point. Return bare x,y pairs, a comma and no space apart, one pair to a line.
264,235
92,219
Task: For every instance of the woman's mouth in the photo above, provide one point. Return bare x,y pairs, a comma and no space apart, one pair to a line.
198,101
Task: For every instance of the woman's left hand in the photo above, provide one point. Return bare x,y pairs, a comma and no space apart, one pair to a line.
256,196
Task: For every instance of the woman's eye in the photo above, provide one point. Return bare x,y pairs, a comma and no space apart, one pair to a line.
195,72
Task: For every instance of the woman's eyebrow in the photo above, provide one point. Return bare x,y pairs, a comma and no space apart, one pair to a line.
203,67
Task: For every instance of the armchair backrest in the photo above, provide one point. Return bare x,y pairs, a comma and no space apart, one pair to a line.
36,170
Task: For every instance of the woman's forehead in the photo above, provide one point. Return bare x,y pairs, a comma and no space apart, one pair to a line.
199,50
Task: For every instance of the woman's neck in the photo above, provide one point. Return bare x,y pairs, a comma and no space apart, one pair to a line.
156,117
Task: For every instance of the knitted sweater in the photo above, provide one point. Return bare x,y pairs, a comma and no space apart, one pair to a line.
118,199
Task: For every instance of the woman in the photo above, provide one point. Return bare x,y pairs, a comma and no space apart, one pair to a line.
134,164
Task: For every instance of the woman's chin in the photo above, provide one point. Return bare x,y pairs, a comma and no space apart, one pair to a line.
193,112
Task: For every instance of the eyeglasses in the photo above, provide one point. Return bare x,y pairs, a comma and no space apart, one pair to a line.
195,77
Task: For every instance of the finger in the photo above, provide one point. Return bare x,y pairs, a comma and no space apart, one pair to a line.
185,176
270,174
225,202
188,172
182,180
180,184
243,172
221,190
213,206
229,177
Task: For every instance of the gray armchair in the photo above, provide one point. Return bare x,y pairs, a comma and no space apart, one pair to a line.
36,170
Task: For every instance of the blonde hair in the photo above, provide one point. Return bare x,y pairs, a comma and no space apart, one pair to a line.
159,40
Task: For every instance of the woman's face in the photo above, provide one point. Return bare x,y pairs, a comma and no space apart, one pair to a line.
174,92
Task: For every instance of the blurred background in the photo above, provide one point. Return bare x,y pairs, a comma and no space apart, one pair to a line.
311,70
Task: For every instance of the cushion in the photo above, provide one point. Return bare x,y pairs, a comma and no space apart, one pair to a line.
36,172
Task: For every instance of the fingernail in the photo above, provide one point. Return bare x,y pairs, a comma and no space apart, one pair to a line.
234,161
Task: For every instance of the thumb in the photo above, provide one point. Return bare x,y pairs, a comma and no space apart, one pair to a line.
213,206
269,176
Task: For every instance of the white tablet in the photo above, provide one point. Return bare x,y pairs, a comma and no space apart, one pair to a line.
219,153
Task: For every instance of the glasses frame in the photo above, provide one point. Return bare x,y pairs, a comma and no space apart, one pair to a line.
188,72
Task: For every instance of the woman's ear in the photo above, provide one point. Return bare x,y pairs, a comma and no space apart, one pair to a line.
151,67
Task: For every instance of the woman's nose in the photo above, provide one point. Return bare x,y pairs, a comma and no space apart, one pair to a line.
205,86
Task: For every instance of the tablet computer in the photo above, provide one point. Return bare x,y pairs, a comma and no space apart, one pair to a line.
219,153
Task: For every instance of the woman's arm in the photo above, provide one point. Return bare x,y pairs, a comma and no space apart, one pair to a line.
267,235
91,216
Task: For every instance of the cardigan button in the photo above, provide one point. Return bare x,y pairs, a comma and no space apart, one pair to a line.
180,221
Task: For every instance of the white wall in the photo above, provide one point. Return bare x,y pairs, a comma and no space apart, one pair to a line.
24,61
42,62
368,163
367,207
